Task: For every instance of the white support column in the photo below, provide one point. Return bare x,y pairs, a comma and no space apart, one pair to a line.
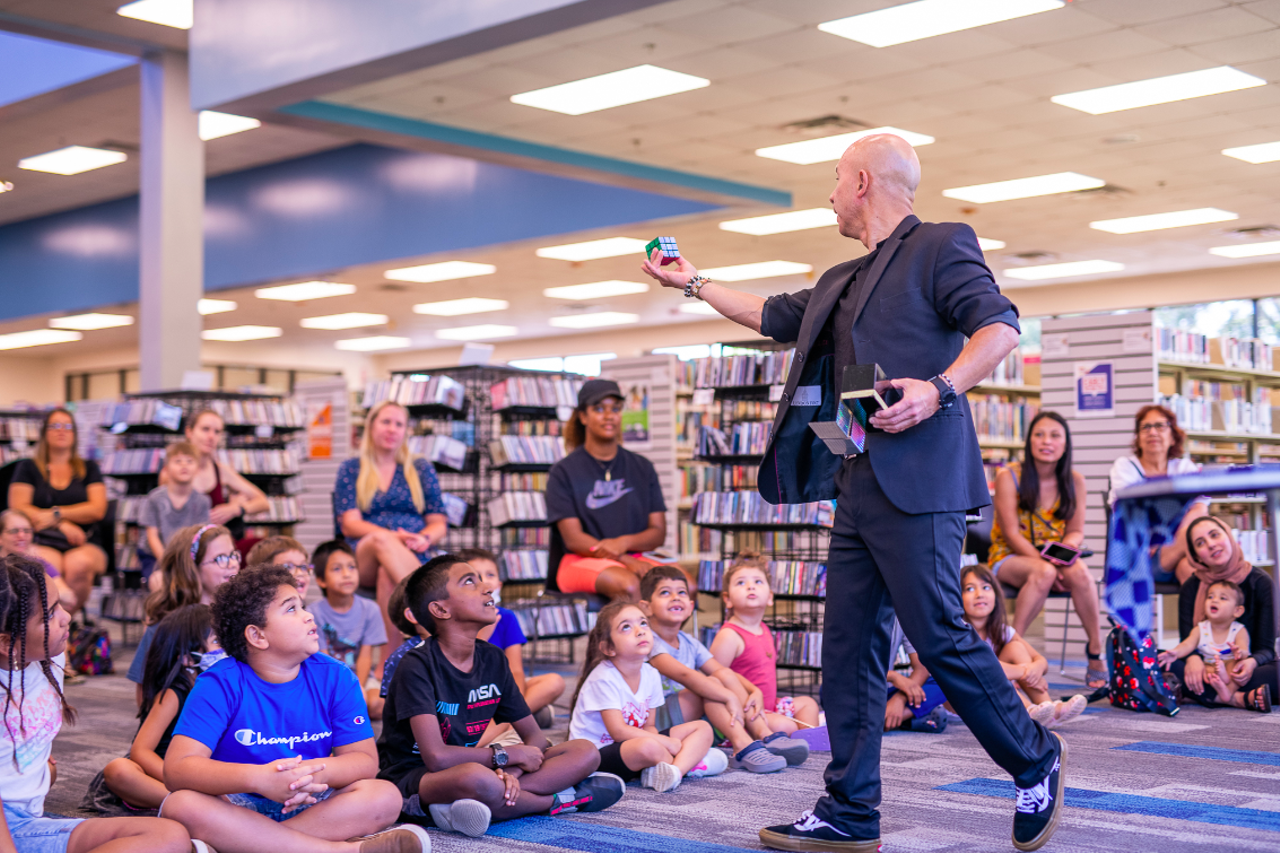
171,224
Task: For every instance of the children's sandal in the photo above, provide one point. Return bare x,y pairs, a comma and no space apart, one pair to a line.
1259,699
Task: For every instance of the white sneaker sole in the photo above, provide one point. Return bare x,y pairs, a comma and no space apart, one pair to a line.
661,777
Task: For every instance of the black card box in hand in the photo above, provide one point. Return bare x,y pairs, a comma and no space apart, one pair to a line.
868,383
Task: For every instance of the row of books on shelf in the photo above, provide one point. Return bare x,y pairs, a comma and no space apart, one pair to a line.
523,565
280,509
1254,545
1010,371
1234,416
765,368
142,411
9,453
262,461
538,426
416,389
464,431
1181,345
1227,350
529,481
693,420
442,449
693,539
997,418
793,647
20,429
523,537
517,506
526,449
746,438
750,508
456,509
1206,389
786,577
716,478
570,618
539,391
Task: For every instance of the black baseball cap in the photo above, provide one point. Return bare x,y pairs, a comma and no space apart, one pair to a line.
595,390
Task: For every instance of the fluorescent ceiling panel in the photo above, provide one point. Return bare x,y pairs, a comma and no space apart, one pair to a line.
242,333
458,307
592,321
1249,250
829,148
444,271
988,245
482,332
1059,182
596,290
1159,90
350,320
1266,152
610,247
781,223
90,322
37,338
1065,270
216,306
72,160
628,86
750,272
305,290
179,14
217,125
373,344
1157,221
697,308
927,18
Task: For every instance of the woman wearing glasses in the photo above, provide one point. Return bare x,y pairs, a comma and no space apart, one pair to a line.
65,498
17,536
1157,452
604,502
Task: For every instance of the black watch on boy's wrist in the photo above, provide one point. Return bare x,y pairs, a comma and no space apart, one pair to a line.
500,757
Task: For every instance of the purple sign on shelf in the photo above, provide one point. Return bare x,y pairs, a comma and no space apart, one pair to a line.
1095,389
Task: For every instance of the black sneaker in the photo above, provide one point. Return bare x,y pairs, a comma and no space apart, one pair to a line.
1040,806
593,794
811,832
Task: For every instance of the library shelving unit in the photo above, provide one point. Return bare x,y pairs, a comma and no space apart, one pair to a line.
19,432
1002,406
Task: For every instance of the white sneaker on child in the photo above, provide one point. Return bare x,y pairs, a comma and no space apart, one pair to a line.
1043,713
1070,709
470,817
200,847
713,763
401,838
661,777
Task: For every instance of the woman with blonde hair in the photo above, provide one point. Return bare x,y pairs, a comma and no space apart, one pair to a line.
388,504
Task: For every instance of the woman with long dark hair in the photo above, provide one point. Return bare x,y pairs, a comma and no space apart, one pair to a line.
1039,501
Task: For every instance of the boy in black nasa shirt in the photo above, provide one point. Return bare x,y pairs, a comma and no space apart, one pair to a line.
442,697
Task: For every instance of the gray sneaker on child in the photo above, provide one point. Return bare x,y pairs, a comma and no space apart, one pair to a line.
795,751
757,758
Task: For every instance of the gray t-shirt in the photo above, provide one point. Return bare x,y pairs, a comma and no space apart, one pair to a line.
691,653
342,634
158,511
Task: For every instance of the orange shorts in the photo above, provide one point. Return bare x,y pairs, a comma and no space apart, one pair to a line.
578,573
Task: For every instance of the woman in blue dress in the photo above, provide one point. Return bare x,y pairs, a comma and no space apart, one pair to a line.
388,505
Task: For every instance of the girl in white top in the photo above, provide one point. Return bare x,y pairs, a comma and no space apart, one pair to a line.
1157,452
983,604
617,702
1218,638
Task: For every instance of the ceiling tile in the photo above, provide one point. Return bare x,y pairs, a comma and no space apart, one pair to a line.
1250,48
1070,22
1206,26
1133,12
730,27
1269,9
1101,47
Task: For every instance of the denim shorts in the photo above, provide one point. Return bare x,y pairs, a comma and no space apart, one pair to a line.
270,808
39,834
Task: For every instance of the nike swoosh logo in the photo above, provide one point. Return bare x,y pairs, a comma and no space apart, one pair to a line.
594,502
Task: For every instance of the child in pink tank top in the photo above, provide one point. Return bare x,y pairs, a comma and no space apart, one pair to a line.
745,645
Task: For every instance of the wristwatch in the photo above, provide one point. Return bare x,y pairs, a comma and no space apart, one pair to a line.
946,391
499,756
57,514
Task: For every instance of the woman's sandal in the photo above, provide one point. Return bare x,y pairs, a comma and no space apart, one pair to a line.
1259,699
1095,676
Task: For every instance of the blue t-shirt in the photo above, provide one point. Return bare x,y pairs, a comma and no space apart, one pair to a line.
393,508
507,633
245,720
389,668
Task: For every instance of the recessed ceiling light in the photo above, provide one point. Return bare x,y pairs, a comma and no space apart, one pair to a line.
6,186
350,320
457,307
89,322
72,160
596,290
1066,270
610,247
242,333
37,338
482,332
988,245
1266,152
1249,250
750,272
1157,221
591,321
1059,182
698,308
780,223
305,290
215,306
628,86
216,125
444,271
830,148
1159,90
927,18
373,344
179,14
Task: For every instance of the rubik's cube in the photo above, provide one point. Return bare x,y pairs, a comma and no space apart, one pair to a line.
666,246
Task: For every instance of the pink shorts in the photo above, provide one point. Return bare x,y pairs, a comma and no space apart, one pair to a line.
578,573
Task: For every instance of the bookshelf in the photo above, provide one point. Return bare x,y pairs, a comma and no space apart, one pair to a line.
1002,406
19,432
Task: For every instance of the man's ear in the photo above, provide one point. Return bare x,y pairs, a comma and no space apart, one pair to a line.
257,637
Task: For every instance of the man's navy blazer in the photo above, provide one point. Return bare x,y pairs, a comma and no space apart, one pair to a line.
927,290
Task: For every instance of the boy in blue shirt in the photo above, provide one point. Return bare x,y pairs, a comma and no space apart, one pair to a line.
274,750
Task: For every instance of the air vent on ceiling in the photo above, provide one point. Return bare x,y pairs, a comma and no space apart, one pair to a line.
1028,258
1254,232
827,125
393,288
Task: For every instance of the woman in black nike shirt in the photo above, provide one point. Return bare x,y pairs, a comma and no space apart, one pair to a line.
603,501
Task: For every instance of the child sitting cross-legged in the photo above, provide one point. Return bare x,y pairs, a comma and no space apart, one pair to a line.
745,644
350,627
442,698
1217,639
695,683
616,708
274,750
915,699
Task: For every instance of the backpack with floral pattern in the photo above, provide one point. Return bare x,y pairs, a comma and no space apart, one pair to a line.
1136,681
